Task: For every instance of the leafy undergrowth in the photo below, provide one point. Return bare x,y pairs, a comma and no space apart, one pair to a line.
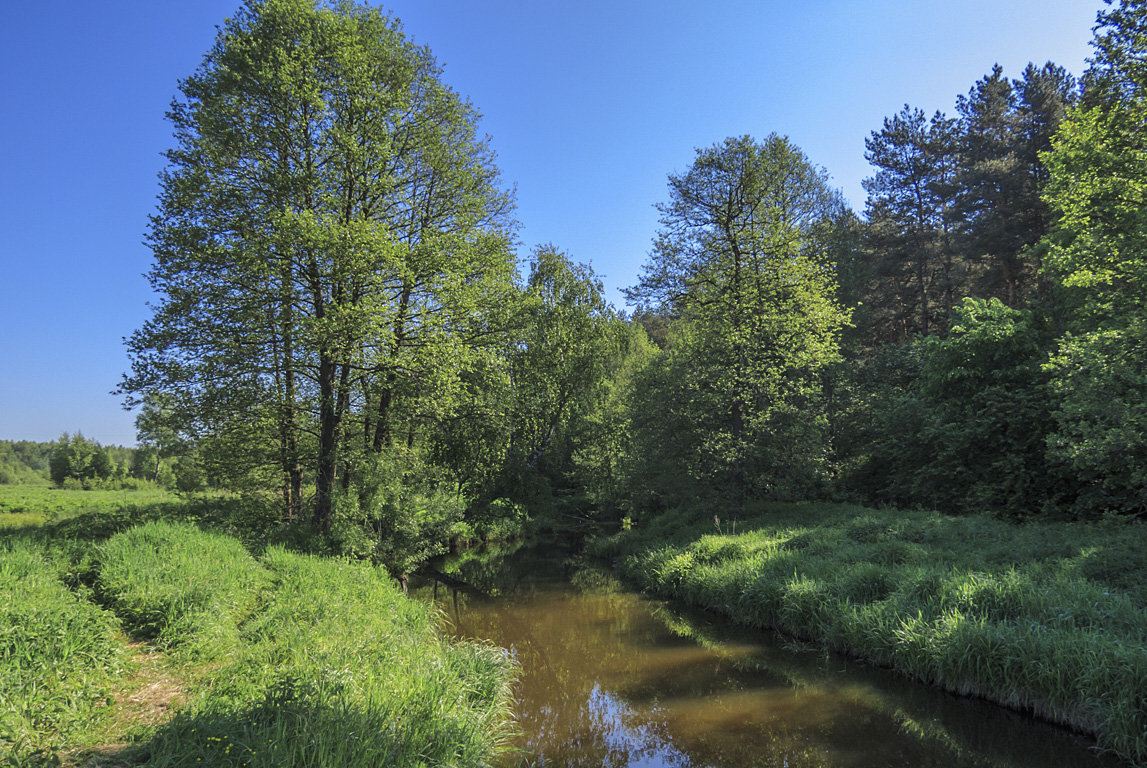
282,659
1049,618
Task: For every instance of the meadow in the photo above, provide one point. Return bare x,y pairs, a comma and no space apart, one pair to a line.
137,637
1047,618
31,505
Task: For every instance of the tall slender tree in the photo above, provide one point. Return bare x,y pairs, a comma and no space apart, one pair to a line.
1004,126
910,196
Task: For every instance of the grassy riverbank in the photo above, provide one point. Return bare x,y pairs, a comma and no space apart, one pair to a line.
166,644
1046,618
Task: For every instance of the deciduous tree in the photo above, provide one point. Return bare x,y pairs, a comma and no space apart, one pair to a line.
330,230
737,265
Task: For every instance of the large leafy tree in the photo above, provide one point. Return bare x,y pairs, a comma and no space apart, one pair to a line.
566,343
738,266
329,235
1098,260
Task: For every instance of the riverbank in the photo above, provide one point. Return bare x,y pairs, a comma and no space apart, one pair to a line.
166,643
1047,618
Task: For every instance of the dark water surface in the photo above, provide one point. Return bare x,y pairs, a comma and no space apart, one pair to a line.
610,678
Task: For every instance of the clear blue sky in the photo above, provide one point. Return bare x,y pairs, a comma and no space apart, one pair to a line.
589,104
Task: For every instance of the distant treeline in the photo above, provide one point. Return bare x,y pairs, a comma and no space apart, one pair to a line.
24,462
74,461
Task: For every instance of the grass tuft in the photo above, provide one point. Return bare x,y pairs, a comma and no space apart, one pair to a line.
182,587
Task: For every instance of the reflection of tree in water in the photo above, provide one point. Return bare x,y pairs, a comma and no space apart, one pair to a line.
610,680
622,739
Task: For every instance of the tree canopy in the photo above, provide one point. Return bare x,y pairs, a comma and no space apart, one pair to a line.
330,245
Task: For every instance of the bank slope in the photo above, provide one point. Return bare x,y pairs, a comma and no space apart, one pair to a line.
1045,618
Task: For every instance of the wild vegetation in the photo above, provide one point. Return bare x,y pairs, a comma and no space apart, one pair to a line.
59,656
400,386
342,346
1050,618
277,657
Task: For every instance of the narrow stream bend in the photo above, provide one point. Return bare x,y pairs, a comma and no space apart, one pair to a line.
611,678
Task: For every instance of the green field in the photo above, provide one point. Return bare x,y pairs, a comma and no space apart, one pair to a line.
24,505
1048,618
164,643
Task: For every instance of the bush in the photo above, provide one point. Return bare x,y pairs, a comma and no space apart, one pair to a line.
399,513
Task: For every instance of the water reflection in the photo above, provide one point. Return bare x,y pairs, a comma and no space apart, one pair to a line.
612,679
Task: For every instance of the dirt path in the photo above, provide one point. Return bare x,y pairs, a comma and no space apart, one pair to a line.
148,696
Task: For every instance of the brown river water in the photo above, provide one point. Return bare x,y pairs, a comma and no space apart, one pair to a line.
611,678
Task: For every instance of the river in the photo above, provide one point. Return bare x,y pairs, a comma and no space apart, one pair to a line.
612,678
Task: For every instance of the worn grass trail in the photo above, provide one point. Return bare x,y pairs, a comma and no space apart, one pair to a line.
1049,618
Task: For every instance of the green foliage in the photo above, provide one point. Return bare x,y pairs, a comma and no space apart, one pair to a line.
1098,261
957,423
954,207
1099,380
999,214
754,321
604,453
400,513
500,520
23,462
912,275
569,341
75,458
1046,618
331,254
58,657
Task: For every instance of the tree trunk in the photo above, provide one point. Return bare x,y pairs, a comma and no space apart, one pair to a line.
328,443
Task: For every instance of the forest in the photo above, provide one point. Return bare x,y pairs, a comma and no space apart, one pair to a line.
345,358
341,325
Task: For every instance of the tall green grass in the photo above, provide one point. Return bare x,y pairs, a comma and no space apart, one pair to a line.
58,657
317,661
183,587
340,669
1047,618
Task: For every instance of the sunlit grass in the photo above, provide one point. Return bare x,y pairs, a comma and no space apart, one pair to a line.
54,503
340,669
58,656
280,659
182,587
1047,618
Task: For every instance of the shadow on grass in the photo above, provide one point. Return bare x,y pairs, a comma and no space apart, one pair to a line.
305,725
